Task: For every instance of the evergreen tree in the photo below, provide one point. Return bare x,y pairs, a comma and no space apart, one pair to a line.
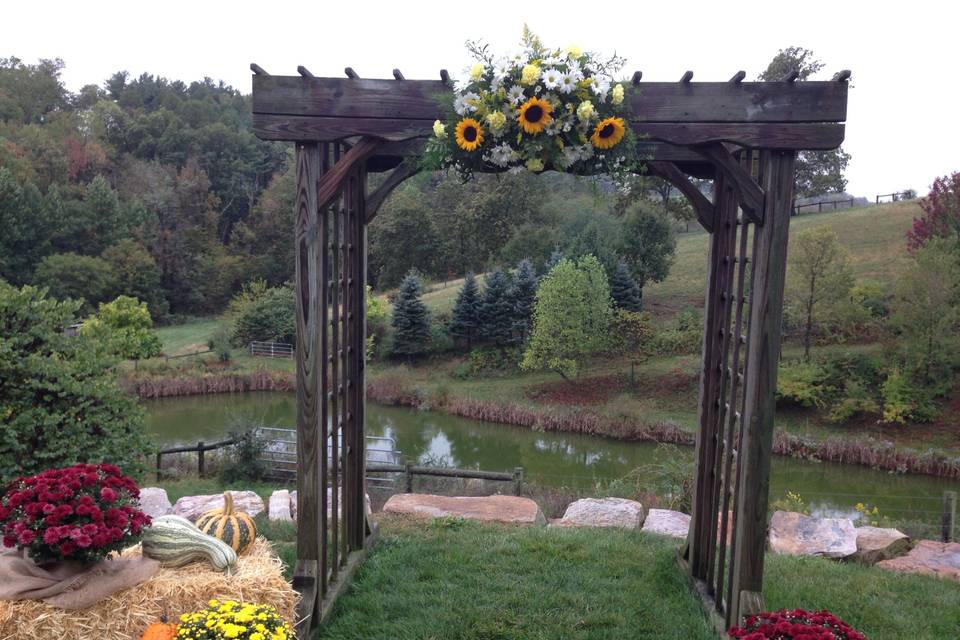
624,290
496,309
524,294
465,323
554,260
411,320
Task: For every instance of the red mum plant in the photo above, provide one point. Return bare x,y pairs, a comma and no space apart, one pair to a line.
79,513
795,625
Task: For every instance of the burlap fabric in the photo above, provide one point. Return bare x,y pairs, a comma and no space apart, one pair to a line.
69,585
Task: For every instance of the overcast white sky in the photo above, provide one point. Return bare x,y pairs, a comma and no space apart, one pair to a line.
902,125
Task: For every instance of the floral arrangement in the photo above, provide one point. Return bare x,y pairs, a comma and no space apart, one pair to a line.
795,625
231,619
79,513
540,109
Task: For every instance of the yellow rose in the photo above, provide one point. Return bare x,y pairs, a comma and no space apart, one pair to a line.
535,165
476,71
531,73
585,110
496,120
574,51
439,129
616,97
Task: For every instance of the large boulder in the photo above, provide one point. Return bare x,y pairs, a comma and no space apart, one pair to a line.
154,502
940,559
666,522
192,507
278,507
875,544
293,503
603,512
510,509
797,534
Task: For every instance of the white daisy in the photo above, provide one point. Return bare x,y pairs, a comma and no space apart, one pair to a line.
600,86
502,155
551,78
466,103
515,94
568,83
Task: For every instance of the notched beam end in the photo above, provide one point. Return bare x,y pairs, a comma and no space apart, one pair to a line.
302,70
397,75
637,76
792,76
257,69
351,73
738,77
687,77
842,76
445,76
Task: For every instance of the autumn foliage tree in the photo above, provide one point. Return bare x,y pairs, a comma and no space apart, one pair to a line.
941,214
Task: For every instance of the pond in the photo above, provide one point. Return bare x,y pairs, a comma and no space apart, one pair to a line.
548,458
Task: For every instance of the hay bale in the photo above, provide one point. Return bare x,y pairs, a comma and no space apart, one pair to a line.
124,615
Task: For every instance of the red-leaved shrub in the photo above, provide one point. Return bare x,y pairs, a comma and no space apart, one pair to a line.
795,625
79,513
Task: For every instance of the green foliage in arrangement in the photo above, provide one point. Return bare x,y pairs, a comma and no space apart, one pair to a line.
571,319
60,403
125,327
411,320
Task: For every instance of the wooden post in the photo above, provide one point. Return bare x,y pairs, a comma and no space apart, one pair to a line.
763,351
306,572
517,481
159,458
949,516
409,476
200,465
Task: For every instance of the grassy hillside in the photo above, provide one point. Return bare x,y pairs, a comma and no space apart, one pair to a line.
874,236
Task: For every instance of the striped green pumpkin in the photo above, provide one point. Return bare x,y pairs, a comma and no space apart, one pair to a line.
236,528
176,541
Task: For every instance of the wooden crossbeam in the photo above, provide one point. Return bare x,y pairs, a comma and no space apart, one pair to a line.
671,102
330,185
751,195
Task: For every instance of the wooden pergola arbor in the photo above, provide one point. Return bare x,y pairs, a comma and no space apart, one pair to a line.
742,135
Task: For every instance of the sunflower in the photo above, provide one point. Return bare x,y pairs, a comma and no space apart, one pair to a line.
608,134
469,134
535,115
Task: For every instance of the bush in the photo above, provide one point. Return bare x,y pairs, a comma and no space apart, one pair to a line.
60,403
493,360
220,344
271,315
125,327
686,336
789,502
245,461
805,384
904,401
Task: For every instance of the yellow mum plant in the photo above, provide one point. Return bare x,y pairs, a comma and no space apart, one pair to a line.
230,619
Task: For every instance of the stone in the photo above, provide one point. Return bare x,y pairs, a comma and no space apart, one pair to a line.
940,559
875,544
797,534
666,522
293,503
511,509
192,507
278,507
154,502
604,512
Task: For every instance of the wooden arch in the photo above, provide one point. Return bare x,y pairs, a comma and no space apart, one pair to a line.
742,135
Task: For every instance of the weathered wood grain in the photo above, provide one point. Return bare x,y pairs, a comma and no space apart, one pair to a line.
751,195
763,354
811,101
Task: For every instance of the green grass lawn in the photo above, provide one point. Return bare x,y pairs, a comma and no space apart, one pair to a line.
456,580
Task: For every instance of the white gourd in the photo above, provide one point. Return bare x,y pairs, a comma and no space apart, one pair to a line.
176,541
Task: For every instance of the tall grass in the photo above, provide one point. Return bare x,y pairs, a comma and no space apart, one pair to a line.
196,383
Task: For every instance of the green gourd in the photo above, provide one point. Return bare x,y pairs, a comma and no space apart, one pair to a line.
176,541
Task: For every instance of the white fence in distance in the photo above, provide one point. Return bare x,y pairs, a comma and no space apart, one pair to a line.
271,349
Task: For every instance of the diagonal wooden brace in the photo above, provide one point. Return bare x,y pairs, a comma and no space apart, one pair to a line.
751,194
701,205
379,195
331,184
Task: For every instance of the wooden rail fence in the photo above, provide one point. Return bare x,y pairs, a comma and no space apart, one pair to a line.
897,196
829,205
409,470
200,448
